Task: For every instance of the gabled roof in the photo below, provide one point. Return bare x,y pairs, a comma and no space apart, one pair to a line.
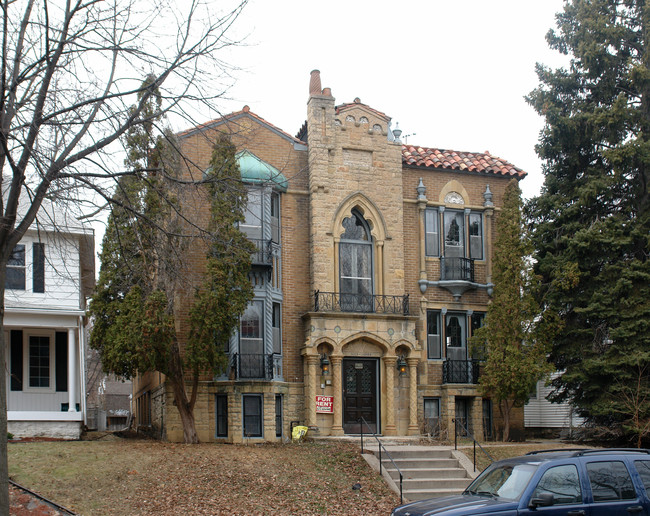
232,118
480,162
357,103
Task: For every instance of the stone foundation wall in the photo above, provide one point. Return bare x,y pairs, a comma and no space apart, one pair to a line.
69,430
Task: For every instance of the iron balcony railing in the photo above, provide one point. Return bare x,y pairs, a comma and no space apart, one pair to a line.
456,269
364,303
460,371
256,366
263,254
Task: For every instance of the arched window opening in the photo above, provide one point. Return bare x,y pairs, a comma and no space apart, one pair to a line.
355,258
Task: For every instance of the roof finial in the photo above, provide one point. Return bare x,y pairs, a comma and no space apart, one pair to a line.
487,195
397,132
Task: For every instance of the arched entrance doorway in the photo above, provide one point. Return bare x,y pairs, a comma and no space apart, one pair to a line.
360,394
360,383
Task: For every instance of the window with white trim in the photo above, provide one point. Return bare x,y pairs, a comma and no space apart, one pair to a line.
39,361
16,269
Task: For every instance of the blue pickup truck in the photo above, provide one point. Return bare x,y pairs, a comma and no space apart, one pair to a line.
584,482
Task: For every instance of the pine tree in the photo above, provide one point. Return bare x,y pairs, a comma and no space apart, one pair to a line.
591,224
133,308
513,338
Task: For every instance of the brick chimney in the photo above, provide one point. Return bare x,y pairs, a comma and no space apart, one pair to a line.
314,83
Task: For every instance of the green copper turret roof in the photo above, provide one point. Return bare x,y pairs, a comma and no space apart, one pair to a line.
254,170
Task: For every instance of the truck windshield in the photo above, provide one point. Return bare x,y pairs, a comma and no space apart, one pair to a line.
504,481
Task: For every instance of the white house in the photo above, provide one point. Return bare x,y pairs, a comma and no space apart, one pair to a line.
49,277
545,419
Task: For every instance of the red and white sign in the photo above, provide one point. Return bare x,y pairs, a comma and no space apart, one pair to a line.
325,404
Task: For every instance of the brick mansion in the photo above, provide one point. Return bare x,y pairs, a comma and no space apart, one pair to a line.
373,269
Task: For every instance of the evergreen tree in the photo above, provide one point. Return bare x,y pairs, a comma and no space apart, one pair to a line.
226,290
513,338
141,271
591,224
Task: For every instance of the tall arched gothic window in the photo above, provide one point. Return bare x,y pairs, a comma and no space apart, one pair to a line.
355,259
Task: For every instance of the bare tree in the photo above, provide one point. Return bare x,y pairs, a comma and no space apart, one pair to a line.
70,73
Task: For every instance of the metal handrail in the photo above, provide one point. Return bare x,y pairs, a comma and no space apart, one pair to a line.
469,434
456,268
461,371
362,422
252,365
361,303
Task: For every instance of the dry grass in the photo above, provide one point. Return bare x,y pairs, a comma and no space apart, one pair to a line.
126,477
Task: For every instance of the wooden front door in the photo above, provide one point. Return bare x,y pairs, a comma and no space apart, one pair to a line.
359,395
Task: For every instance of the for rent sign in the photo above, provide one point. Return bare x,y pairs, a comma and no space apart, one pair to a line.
325,404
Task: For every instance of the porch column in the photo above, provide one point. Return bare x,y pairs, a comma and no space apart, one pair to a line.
413,395
337,372
390,363
72,370
312,363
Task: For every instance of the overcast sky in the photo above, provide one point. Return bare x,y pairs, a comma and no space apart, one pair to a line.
452,73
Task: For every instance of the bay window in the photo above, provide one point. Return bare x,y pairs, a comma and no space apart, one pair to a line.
462,232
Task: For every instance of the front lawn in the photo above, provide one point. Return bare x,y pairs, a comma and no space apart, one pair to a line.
127,477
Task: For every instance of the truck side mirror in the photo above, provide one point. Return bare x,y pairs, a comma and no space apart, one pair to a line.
541,500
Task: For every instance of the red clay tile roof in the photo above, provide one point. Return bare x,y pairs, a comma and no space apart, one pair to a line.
480,162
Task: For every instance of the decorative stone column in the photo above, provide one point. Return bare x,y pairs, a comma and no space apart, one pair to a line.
312,363
380,268
422,206
337,372
72,370
390,363
337,245
413,395
489,213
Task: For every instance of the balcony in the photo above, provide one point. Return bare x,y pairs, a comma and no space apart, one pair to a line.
255,366
456,269
361,303
263,254
460,371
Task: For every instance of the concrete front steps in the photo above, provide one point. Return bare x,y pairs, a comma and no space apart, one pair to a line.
427,471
